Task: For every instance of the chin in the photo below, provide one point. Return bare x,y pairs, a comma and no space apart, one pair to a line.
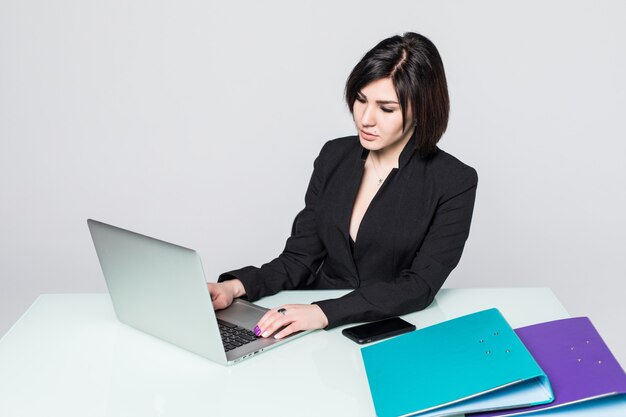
369,145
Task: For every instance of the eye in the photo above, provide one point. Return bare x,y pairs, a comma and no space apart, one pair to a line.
360,99
387,109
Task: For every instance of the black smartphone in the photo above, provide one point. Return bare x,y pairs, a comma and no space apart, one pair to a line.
378,330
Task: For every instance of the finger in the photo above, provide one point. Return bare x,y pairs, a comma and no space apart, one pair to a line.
214,291
279,322
268,317
261,323
218,303
292,328
221,300
269,325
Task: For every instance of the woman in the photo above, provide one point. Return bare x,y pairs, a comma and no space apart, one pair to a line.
387,213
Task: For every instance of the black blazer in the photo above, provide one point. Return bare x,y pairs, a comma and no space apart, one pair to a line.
409,240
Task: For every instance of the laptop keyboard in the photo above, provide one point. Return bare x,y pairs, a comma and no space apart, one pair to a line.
234,336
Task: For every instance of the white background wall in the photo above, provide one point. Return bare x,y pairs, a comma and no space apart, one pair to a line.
198,122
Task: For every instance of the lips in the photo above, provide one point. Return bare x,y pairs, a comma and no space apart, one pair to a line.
367,135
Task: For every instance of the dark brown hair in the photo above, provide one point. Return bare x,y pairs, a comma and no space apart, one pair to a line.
416,70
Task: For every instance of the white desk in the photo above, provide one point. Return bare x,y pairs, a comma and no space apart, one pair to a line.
69,356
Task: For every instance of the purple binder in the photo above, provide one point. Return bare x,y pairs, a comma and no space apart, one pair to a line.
578,364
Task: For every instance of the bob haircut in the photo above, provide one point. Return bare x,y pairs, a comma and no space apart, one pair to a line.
416,70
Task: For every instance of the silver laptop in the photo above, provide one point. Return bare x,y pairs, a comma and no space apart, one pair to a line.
160,288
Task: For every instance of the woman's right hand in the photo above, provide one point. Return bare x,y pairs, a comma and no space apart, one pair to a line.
223,293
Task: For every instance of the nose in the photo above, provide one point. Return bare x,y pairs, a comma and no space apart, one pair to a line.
367,118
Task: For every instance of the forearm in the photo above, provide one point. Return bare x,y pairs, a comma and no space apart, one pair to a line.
286,272
377,301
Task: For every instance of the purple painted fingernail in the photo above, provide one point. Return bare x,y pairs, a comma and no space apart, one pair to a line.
257,331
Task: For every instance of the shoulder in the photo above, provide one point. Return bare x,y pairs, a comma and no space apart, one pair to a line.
337,150
341,145
450,172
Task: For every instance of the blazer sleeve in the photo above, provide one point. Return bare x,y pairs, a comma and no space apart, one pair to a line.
304,251
415,288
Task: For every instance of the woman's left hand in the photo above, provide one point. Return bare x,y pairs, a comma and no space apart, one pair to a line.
295,317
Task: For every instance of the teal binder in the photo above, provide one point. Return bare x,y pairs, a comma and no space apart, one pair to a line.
469,364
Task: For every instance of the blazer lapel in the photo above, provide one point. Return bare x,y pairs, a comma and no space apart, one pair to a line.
348,197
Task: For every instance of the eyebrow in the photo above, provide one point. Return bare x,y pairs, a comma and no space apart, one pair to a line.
379,101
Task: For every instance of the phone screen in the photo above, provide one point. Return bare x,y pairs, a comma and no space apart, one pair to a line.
378,330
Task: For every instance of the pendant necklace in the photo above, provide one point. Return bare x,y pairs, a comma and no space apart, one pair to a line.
380,179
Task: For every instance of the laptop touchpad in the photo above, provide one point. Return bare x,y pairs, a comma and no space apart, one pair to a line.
242,313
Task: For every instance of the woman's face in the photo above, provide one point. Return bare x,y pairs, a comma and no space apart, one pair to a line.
378,117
